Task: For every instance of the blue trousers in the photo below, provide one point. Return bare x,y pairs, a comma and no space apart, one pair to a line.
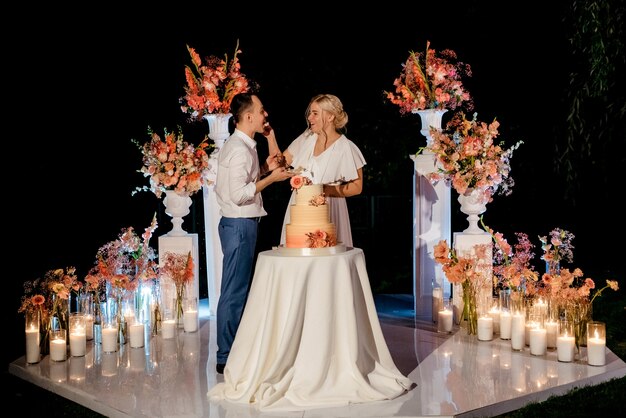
238,237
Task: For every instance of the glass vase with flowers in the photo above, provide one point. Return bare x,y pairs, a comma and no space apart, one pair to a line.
50,297
469,271
178,268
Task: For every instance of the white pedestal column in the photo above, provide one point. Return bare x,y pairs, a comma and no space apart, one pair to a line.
214,254
464,246
431,224
179,245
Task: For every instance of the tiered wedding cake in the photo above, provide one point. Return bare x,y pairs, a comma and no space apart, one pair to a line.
310,225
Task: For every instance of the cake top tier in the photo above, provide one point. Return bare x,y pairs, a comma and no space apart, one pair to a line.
308,193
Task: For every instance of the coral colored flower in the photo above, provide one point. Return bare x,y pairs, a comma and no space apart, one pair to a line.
211,86
431,81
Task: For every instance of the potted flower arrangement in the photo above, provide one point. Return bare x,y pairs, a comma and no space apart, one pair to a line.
469,159
174,164
212,84
431,80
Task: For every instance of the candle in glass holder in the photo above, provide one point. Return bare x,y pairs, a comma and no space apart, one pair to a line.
538,340
518,320
168,328
552,328
58,345
596,343
444,319
494,312
78,336
190,314
485,328
109,338
32,337
437,302
565,345
505,325
137,331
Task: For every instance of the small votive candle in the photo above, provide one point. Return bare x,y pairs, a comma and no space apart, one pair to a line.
444,319
565,343
137,331
596,343
485,328
58,345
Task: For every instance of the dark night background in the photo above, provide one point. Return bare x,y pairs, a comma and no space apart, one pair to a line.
92,81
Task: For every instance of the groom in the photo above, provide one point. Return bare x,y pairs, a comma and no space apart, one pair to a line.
238,188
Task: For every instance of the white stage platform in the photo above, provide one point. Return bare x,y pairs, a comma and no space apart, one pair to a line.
455,376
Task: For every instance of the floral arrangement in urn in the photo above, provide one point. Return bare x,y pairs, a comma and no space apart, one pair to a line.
431,80
469,159
172,163
212,85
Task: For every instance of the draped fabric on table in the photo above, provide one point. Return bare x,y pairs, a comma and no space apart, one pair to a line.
310,337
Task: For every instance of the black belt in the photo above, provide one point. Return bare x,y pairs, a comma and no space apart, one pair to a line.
255,219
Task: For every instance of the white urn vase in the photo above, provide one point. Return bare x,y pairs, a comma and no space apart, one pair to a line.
473,203
218,127
431,118
177,206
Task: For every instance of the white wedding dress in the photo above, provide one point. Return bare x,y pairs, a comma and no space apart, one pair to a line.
339,163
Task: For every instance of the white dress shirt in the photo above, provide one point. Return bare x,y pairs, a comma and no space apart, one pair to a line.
237,174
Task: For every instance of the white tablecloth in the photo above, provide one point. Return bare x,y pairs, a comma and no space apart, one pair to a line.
310,337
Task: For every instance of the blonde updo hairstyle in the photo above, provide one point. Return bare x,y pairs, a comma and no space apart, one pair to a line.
331,104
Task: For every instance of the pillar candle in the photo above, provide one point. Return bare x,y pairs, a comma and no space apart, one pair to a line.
485,328
109,339
58,350
137,335
168,328
89,327
527,327
552,328
505,325
437,302
565,345
494,312
190,321
538,341
541,308
517,331
444,321
78,343
596,355
32,345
